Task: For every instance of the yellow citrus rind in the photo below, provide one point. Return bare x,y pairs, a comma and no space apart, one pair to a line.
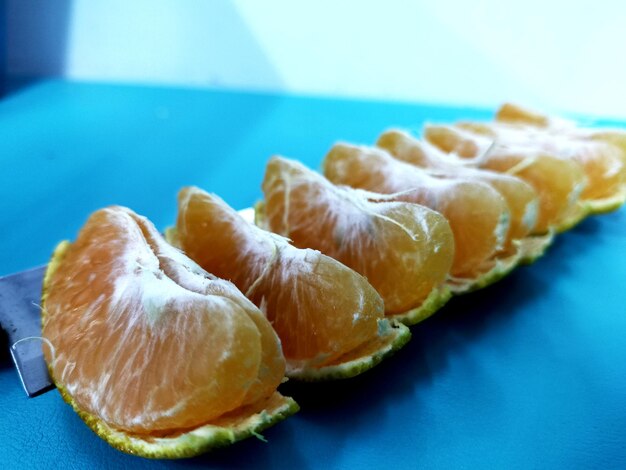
435,300
577,213
259,215
609,204
392,338
248,421
234,426
502,267
532,248
584,208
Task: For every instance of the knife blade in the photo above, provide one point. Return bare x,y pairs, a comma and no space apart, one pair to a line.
20,318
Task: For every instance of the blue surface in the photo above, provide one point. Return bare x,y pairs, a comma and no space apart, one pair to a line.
529,373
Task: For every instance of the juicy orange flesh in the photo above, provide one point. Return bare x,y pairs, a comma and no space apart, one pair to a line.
601,161
558,182
520,197
603,166
509,112
615,137
147,341
457,141
272,366
320,308
404,250
476,212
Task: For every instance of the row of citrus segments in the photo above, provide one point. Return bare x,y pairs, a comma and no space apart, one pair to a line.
482,198
340,263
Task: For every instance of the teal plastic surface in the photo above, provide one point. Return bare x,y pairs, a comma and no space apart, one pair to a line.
528,373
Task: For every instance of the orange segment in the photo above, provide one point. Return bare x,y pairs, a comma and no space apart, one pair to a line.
513,113
476,212
320,309
416,152
404,250
272,366
600,160
615,137
520,197
459,142
143,339
558,182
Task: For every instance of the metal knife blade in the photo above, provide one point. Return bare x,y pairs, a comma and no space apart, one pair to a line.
20,317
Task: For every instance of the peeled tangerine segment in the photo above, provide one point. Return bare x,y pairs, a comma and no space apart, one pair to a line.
321,309
601,147
513,113
404,250
601,161
510,113
557,181
145,344
615,137
477,213
520,197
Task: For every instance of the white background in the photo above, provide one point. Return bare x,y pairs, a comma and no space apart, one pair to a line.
565,56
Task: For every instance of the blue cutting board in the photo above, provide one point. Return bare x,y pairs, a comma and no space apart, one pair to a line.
528,373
